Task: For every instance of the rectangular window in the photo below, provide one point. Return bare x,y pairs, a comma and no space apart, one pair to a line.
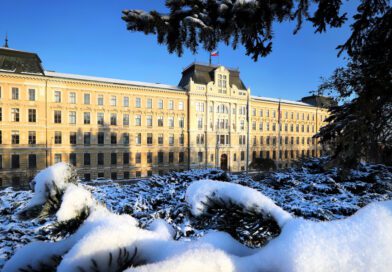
72,159
160,139
57,137
72,138
126,158
126,120
138,120
149,103
113,138
181,122
100,100
200,157
126,101
138,157
87,138
32,138
171,105
149,120
15,163
32,115
15,115
15,138
1,114
57,158
149,138
86,118
1,137
138,138
113,158
160,121
57,96
181,157
160,157
113,119
138,102
171,139
101,159
181,139
72,98
171,122
86,99
57,117
113,100
242,155
160,104
32,94
200,122
87,159
126,138
15,93
101,138
181,105
126,175
171,157
100,118
149,157
72,117
199,107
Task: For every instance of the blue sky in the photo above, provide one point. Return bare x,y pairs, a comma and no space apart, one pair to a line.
88,37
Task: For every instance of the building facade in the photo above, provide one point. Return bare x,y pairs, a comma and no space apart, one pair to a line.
123,129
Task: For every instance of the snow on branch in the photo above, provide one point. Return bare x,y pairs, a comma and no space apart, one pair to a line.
49,186
205,193
191,23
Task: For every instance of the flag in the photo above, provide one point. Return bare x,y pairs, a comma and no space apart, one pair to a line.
215,54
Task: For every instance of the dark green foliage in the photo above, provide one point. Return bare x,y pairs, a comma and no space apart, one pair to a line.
124,260
249,226
194,23
49,265
261,164
361,127
65,228
51,205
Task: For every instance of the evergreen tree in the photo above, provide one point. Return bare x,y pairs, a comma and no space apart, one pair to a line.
191,23
361,127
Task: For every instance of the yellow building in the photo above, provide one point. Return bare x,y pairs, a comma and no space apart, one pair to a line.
123,129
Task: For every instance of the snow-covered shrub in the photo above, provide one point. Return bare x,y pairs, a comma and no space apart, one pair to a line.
245,213
110,242
302,192
48,187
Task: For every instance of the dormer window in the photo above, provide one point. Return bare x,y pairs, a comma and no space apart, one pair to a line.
222,84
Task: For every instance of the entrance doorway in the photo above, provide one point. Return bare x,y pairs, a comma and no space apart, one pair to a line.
223,162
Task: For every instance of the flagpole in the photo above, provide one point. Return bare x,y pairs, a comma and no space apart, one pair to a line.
210,58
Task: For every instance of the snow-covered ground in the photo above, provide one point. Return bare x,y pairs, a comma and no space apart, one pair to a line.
272,228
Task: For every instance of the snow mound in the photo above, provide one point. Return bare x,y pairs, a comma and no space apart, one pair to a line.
51,181
76,200
200,193
361,242
341,245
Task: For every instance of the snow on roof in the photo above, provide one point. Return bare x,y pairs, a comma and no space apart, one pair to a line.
111,80
276,100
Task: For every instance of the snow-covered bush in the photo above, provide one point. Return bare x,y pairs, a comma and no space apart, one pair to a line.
48,187
111,242
161,209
